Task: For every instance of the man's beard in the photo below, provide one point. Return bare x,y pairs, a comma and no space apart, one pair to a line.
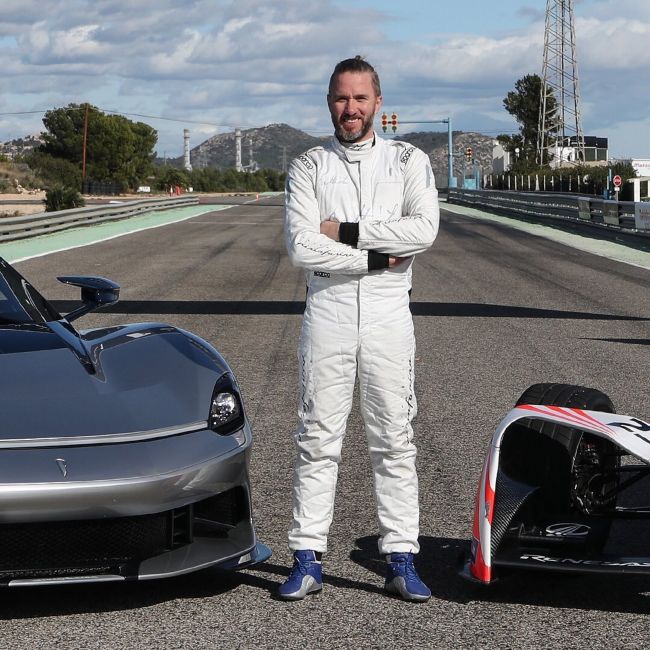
354,136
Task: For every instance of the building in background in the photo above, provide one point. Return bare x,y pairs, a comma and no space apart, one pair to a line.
642,182
596,150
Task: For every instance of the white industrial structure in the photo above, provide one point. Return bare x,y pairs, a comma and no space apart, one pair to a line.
238,165
186,150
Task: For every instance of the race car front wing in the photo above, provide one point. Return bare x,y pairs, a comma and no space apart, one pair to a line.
542,506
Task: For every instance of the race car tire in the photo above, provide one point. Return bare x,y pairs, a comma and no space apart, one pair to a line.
567,395
584,450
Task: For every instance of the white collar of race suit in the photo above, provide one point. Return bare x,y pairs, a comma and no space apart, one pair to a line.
357,151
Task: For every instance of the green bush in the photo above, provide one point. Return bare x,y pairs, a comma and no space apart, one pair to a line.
60,197
54,171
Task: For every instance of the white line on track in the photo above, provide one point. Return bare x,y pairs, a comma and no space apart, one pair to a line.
602,248
236,223
32,247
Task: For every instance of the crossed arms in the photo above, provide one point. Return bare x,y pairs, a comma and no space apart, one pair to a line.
357,248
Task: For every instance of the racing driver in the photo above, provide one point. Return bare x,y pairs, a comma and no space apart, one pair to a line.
357,210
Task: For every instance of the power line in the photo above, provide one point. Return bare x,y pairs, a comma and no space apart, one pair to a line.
24,113
150,117
205,123
177,119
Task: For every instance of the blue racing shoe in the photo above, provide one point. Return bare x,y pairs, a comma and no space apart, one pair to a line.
403,580
306,577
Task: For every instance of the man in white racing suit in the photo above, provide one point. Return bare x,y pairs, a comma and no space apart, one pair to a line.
357,210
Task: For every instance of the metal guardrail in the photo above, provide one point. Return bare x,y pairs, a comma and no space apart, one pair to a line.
44,223
614,216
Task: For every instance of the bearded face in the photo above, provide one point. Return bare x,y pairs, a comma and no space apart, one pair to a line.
353,104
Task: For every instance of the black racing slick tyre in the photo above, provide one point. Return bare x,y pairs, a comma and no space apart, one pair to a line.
569,396
592,461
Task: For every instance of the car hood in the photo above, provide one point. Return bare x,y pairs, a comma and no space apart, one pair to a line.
143,378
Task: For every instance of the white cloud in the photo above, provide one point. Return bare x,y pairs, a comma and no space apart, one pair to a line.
76,45
255,62
618,44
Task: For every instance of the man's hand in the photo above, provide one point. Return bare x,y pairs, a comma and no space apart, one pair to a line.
330,229
394,261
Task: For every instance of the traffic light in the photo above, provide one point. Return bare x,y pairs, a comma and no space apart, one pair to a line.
393,122
384,122
468,154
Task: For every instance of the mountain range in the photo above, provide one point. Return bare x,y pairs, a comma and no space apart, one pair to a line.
275,145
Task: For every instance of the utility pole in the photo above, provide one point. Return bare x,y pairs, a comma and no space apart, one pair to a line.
85,142
560,127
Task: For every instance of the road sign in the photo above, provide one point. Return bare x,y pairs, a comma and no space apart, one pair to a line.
618,181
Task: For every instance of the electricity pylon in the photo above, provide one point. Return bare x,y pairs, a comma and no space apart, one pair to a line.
560,124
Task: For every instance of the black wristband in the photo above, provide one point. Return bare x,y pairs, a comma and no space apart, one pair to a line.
377,260
349,234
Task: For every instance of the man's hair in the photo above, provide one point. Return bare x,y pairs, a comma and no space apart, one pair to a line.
357,64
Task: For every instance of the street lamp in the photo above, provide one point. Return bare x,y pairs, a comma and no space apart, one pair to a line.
516,150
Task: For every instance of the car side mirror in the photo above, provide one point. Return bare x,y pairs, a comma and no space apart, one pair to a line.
96,292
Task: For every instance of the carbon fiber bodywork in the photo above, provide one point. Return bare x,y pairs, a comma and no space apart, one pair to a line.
512,495
112,466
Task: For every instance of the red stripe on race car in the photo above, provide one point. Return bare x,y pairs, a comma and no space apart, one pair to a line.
485,478
573,416
577,415
489,495
592,419
476,524
530,407
478,568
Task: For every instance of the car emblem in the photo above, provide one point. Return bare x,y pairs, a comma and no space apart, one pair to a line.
568,530
62,466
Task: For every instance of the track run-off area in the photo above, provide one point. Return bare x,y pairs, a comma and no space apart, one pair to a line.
496,308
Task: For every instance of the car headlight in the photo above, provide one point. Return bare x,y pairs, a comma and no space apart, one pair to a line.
226,410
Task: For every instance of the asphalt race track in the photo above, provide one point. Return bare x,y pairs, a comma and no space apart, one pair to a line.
495,310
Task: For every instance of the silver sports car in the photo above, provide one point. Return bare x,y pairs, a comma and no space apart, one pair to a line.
123,450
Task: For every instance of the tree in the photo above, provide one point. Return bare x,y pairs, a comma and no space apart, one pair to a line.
523,103
599,175
117,149
212,179
170,177
273,178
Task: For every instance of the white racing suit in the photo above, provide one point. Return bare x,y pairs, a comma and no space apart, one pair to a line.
358,323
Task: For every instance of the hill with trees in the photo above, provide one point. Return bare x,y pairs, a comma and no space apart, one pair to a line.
272,147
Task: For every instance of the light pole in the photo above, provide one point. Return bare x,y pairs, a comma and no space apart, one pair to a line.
451,180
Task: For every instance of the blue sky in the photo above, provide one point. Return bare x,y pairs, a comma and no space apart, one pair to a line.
216,64
420,19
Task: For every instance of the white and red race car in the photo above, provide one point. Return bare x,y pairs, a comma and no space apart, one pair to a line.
565,487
